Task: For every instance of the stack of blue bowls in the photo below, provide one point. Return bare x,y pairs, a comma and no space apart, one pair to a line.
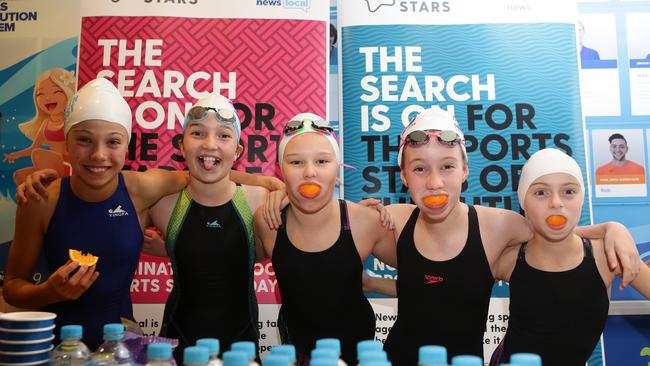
26,337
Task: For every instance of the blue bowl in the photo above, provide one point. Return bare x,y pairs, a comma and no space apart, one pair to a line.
21,335
27,320
25,358
29,347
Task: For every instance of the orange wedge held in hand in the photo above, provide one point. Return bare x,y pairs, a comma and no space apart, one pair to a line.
436,200
309,190
82,259
556,220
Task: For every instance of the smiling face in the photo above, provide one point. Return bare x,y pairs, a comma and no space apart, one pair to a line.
434,174
97,150
210,148
553,205
310,169
618,148
50,98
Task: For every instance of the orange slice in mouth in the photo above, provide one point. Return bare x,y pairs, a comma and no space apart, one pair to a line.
309,190
556,220
82,259
435,201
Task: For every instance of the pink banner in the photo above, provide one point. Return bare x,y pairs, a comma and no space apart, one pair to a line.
272,69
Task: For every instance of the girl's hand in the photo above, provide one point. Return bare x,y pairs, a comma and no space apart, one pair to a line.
272,208
66,285
385,217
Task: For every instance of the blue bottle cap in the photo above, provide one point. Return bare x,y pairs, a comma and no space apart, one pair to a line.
195,355
324,362
276,360
369,345
71,332
526,359
235,358
330,343
288,350
372,356
113,332
433,355
246,347
324,353
466,360
159,351
212,344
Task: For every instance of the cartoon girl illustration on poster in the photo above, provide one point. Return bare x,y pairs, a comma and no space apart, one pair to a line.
52,90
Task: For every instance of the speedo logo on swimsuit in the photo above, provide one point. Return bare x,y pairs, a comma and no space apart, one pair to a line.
117,211
213,225
429,280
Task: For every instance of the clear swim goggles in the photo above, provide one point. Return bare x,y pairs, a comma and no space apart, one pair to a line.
446,138
295,126
199,113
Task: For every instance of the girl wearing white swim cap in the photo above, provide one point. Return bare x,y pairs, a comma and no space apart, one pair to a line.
100,209
559,282
447,250
321,238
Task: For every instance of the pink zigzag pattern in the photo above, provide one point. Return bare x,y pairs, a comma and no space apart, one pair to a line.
278,62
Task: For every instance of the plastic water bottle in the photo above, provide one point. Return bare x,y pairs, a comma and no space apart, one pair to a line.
195,356
71,351
113,352
288,350
432,356
276,360
247,347
333,344
466,360
526,359
235,358
212,344
159,354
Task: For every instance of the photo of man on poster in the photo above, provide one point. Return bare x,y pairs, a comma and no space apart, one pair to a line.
619,165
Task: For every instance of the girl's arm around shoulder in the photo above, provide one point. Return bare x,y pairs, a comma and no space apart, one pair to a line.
501,228
268,182
506,262
255,196
32,220
607,274
400,212
264,236
620,248
146,188
369,234
641,282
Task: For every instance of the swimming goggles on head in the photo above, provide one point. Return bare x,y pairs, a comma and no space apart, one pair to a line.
445,138
294,127
199,113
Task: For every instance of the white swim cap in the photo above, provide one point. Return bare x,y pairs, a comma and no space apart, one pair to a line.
99,99
432,119
543,162
225,112
308,122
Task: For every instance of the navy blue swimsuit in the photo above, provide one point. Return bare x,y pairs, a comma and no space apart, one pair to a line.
110,230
